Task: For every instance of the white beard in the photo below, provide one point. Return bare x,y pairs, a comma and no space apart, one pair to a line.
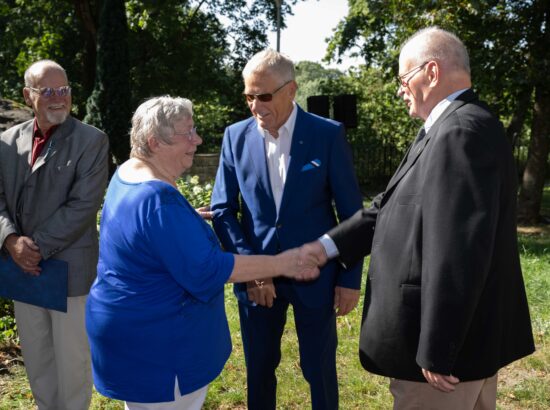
56,118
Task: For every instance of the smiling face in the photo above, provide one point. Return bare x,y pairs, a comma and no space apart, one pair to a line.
179,155
53,110
271,115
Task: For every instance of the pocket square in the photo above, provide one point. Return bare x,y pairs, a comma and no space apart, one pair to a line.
316,163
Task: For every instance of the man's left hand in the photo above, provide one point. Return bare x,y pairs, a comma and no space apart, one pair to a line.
441,382
345,299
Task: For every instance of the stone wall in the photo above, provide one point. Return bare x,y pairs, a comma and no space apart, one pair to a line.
205,166
12,113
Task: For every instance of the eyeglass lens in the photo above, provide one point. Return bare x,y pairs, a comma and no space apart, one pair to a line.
50,91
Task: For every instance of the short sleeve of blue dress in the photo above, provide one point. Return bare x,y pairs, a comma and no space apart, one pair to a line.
156,310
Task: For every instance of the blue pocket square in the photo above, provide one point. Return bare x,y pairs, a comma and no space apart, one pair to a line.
316,163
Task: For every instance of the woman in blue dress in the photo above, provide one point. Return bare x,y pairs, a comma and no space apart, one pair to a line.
155,315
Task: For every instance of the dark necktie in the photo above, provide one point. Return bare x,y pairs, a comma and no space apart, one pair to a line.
419,137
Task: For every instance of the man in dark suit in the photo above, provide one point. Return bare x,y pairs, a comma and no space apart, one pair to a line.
279,173
445,301
53,173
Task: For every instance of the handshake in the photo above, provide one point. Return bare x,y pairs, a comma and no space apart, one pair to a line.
303,263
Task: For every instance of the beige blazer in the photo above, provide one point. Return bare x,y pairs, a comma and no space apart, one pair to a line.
56,202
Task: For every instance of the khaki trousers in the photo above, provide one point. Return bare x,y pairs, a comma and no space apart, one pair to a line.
57,355
474,395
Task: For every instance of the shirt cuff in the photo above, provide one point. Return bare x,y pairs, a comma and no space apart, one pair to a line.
330,246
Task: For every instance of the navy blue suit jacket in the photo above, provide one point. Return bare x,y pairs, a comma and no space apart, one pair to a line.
320,173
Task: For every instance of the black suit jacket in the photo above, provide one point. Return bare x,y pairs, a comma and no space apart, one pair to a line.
444,289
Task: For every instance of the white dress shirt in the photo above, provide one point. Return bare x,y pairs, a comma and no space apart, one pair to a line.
277,152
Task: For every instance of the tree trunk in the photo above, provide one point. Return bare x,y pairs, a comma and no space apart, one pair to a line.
87,14
530,197
513,131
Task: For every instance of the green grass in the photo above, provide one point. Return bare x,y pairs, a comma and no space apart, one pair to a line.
522,385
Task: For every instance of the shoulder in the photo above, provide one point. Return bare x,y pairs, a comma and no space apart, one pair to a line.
326,125
16,130
241,127
86,130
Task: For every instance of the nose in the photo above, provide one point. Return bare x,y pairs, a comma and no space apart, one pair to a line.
400,90
197,140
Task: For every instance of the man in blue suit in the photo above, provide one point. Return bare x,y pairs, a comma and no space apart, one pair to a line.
282,174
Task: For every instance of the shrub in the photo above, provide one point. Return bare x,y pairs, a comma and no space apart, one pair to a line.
196,193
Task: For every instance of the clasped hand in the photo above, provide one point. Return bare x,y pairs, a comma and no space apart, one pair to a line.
24,252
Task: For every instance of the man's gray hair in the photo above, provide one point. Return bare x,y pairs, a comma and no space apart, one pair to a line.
36,69
156,117
270,61
434,43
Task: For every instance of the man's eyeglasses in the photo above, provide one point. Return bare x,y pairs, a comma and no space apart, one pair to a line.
189,134
401,78
49,92
264,97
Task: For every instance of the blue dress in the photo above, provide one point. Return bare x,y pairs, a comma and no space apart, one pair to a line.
156,310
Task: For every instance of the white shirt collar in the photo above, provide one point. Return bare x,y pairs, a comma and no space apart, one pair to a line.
288,125
439,108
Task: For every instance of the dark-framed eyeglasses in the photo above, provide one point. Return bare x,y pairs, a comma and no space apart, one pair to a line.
264,97
48,92
401,78
192,133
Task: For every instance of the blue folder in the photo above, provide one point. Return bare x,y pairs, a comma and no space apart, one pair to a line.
47,290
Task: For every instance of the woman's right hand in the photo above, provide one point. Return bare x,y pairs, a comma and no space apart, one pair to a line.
299,266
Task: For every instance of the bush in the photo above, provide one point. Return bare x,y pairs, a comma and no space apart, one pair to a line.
8,332
198,195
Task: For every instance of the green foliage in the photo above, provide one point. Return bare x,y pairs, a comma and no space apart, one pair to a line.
107,108
196,193
314,79
211,118
508,44
384,129
33,30
7,322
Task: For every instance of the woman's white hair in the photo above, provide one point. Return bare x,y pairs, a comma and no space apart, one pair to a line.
156,117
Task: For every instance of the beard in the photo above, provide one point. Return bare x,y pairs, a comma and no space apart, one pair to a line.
56,118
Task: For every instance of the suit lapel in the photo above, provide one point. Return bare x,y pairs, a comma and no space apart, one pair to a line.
413,155
256,146
24,143
54,144
301,140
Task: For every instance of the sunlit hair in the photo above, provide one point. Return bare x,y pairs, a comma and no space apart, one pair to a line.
156,117
38,68
272,62
434,43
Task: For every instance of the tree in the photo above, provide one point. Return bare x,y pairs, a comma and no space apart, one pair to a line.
107,107
508,43
33,30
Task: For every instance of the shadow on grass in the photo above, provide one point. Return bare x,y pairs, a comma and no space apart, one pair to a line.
534,241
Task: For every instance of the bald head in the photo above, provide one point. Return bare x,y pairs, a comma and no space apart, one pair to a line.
38,69
434,43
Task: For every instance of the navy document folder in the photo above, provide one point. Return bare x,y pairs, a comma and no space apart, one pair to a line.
48,290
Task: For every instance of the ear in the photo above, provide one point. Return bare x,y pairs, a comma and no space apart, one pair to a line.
433,69
153,143
27,96
292,88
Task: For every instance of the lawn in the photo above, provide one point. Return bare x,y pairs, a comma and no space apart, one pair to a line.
522,385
